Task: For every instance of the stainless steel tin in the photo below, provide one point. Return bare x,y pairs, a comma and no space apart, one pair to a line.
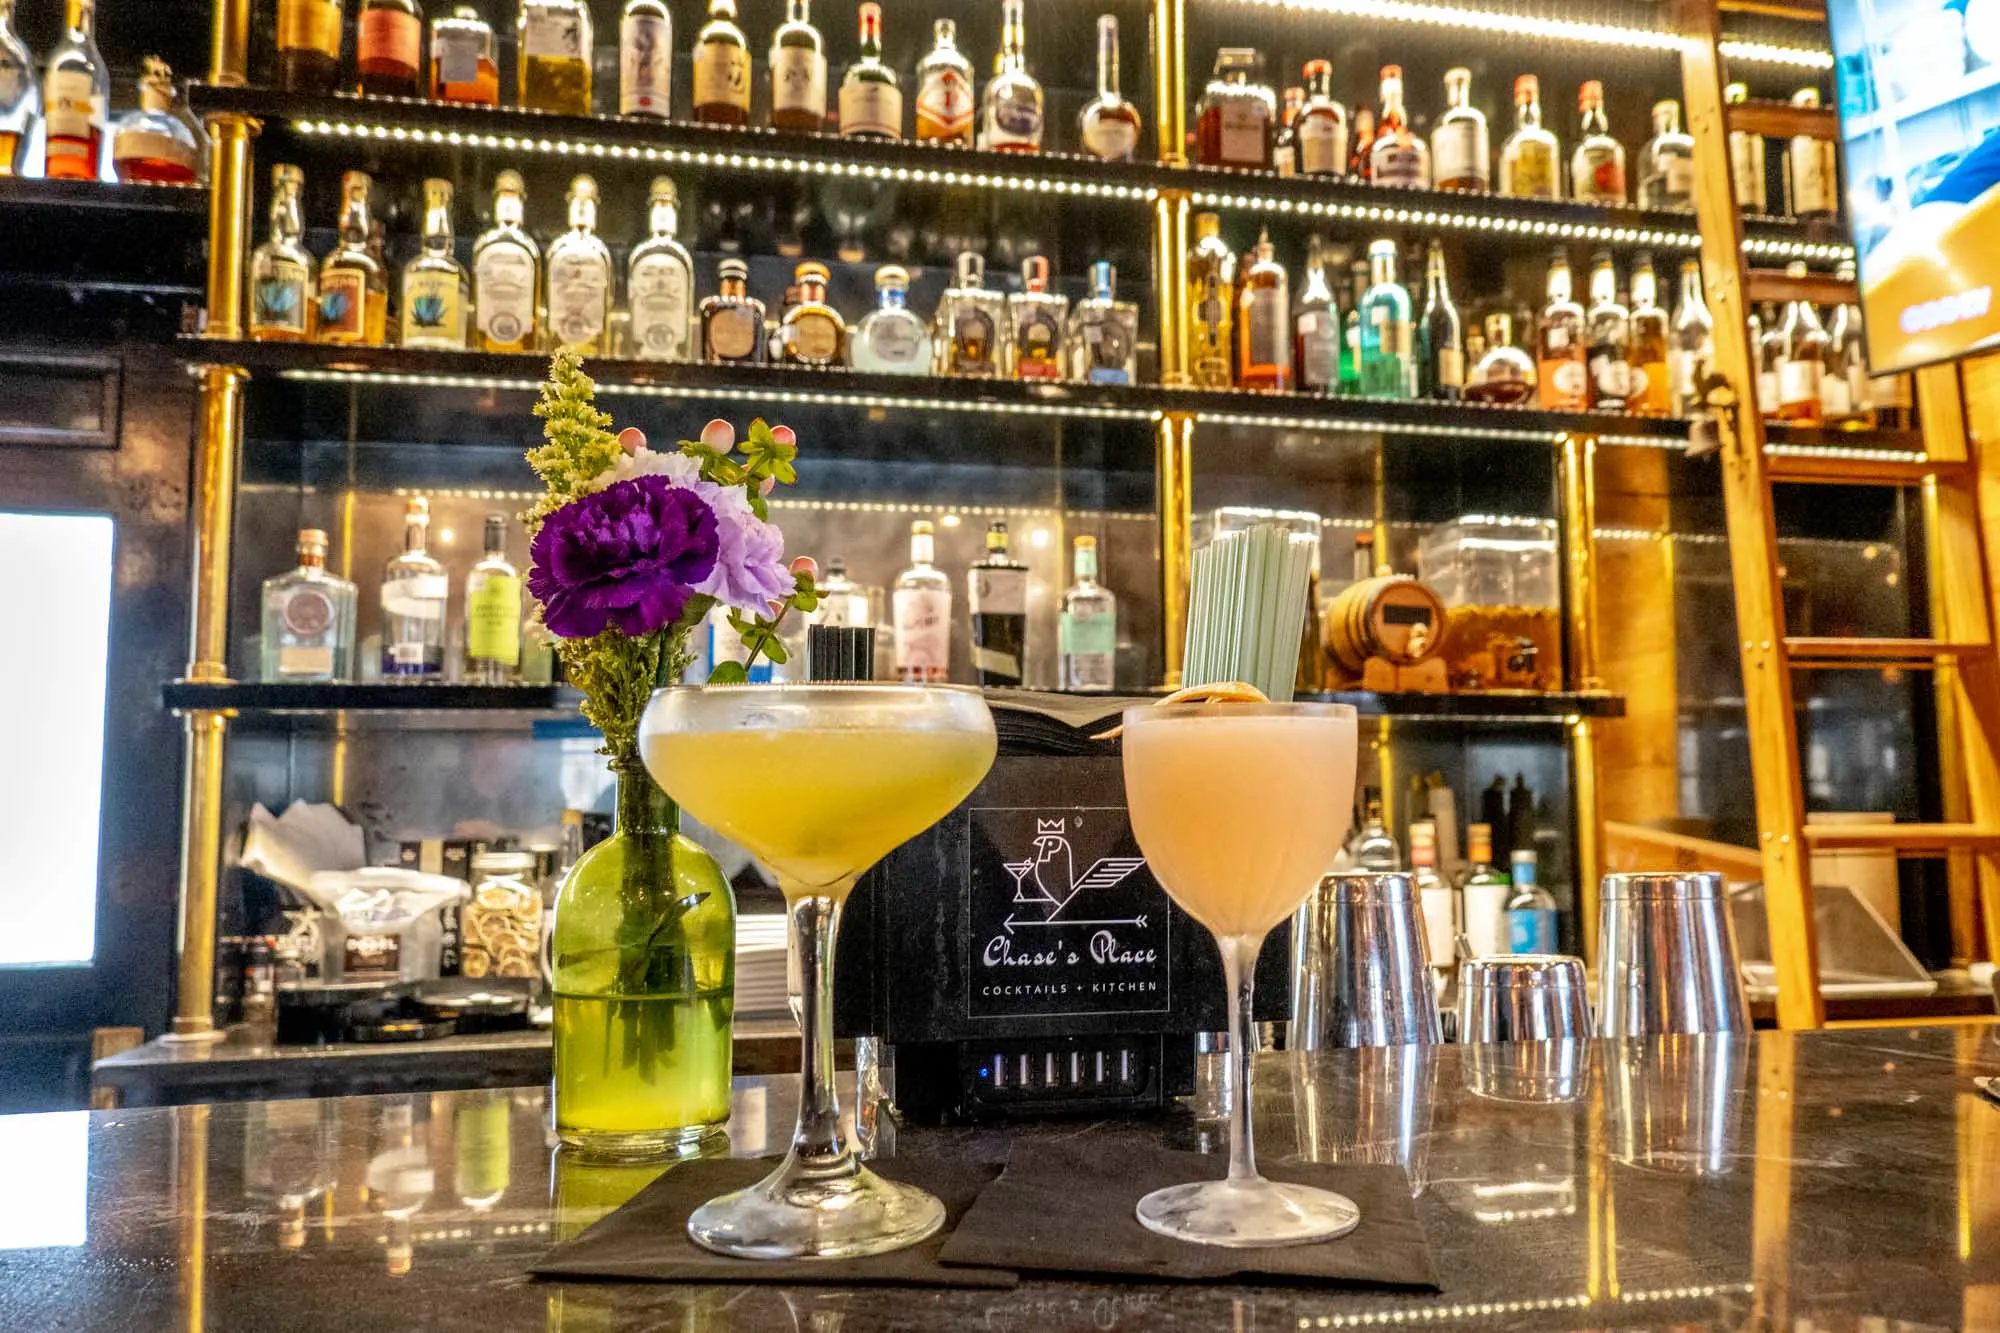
1666,957
1522,997
1360,973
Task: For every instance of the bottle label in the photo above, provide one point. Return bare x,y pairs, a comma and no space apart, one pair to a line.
1013,121
493,621
1265,323
1677,178
1600,174
662,306
278,296
871,109
505,300
1813,175
552,35
1088,645
1610,378
1108,338
1565,383
1244,128
733,332
433,309
923,630
645,66
722,75
798,83
343,306
815,338
579,288
1450,367
390,37
417,597
1322,145
73,112
945,107
997,591
1038,343
1767,392
1112,138
1688,369
309,25
307,613
306,661
1531,930
1398,162
1746,164
972,342
1799,382
896,341
1319,350
15,79
456,52
1836,396
1533,175
1459,150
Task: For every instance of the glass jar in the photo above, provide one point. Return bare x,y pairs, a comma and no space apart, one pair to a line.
501,928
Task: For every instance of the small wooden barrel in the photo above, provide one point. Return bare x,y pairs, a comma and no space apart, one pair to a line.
1379,617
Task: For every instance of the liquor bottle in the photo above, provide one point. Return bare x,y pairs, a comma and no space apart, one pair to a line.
721,68
1460,148
436,290
1284,145
1562,362
1321,133
151,144
659,284
891,340
1803,367
579,287
464,62
815,334
493,612
1212,303
1504,374
309,45
646,60
1316,328
1440,334
1359,164
1746,159
842,601
1666,164
946,108
777,337
1087,629
921,605
732,321
871,101
76,99
1109,126
281,269
1350,328
1812,169
1531,159
997,594
1375,849
353,284
1531,911
1234,122
971,326
1597,170
1767,337
1035,320
20,96
1387,363
1437,900
1844,387
1608,335
507,275
414,593
1011,120
389,48
1651,389
1398,156
1264,323
1104,332
555,53
1693,344
798,72
1484,895
308,618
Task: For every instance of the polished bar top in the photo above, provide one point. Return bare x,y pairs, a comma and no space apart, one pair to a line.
1821,1181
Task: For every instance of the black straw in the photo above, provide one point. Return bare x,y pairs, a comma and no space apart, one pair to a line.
839,652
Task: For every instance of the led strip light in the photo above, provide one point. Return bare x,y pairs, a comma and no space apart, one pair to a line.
1458,431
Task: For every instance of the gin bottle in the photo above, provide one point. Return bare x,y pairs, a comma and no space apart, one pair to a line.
1104,332
493,611
1437,898
921,604
507,275
308,618
1597,171
659,284
1459,147
1388,367
76,99
971,325
1087,630
1375,849
1483,896
997,594
579,289
1531,911
1035,319
436,290
1109,126
842,601
414,592
281,270
946,108
1666,164
1316,328
871,101
1011,121
891,340
798,72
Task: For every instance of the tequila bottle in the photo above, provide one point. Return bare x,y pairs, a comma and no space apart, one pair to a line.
1109,126
1320,137
281,270
1530,160
1484,895
579,287
1035,319
1562,361
414,593
464,62
1693,343
153,144
946,109
1398,157
388,48
1746,159
1264,323
555,53
1608,335
308,45
507,275
1011,119
721,68
659,284
814,333
493,611
353,285
1531,911
997,594
1233,125
1212,300
20,96
971,328
871,100
1651,392
1440,334
1504,374
891,340
1087,629
76,99
646,60
1597,171
1104,332
921,605
798,72
1316,328
1459,144
732,321
1812,169
308,618
1387,367
1666,164
436,289
1803,366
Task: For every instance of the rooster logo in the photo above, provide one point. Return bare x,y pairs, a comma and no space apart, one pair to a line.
1047,878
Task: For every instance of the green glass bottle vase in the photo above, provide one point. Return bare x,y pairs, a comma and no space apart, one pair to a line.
644,968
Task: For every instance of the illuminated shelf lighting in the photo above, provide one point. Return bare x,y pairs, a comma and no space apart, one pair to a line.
1482,20
1845,451
1455,430
1765,53
1411,1313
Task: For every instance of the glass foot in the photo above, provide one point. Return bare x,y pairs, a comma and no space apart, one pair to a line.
642,1145
1246,1214
792,1214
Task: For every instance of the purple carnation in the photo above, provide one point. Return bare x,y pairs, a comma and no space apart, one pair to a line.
629,556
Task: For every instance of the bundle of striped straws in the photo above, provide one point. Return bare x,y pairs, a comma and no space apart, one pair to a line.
1247,609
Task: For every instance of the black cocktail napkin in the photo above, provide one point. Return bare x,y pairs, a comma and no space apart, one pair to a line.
647,1240
1067,1208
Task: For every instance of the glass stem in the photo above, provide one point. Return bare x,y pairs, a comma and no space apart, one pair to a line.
1239,973
818,1148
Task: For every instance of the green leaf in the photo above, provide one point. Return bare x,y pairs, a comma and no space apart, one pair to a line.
729,673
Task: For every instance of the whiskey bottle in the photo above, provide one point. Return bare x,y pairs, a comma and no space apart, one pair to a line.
1109,127
1035,318
152,144
1320,137
891,340
871,101
1812,169
1504,374
1803,366
507,275
997,595
555,53
493,611
353,284
1264,323
798,72
1843,388
1693,347
281,269
1212,300
815,334
1440,335
646,60
308,45
921,607
659,284
1608,335
1360,164
579,288
76,98
464,64
946,109
308,618
732,321
1011,121
1666,165
1234,122
971,333
1397,157
1746,159
1104,332
1387,366
414,595
436,290
1651,393
1284,146
721,68
1530,160
1767,337
20,96
389,48
1562,362
1087,629
1597,171
1316,328
1459,144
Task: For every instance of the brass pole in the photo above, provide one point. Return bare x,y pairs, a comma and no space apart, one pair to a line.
229,44
228,222
1587,809
1170,262
1174,432
191,1191
1578,466
1170,80
215,513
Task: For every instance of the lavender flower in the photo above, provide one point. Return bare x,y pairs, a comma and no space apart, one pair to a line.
630,555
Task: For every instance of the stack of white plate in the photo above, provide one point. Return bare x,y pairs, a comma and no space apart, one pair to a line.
760,966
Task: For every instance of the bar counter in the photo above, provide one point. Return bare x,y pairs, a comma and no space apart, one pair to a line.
1819,1181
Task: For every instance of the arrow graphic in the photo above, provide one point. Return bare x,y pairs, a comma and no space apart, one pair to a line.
1139,922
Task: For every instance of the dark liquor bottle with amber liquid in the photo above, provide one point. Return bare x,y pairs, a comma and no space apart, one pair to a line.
388,48
308,45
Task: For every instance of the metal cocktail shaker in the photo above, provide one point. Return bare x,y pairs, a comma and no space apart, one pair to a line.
1360,972
1666,957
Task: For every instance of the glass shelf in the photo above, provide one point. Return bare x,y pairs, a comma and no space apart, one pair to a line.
1491,706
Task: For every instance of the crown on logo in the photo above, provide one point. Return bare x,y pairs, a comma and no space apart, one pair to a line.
1050,825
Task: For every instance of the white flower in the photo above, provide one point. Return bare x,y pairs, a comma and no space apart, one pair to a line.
675,467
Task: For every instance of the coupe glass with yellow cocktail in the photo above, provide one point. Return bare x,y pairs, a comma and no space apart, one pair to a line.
1240,809
819,782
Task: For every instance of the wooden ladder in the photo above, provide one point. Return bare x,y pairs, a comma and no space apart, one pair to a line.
1961,656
